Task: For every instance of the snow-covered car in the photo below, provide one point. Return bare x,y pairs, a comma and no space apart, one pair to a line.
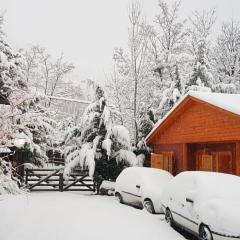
206,204
142,187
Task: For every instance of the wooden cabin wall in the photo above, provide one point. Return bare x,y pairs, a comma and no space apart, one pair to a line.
177,150
198,122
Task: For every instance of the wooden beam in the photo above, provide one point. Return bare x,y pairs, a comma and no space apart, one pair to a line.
238,158
185,157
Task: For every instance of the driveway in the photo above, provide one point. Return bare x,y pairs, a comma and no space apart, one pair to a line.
68,215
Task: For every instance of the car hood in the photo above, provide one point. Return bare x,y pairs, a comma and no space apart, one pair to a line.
222,215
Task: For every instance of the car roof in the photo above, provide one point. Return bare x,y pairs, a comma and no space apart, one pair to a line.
210,178
146,172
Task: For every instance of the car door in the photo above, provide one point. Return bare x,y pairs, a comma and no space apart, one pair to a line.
187,208
183,210
131,190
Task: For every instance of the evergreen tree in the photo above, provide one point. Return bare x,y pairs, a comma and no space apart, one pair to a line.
170,96
11,74
102,147
24,116
146,123
201,75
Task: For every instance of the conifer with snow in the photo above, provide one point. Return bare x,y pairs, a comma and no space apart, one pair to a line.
201,75
23,114
100,146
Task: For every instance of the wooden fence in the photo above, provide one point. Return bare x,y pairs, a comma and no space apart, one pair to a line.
45,179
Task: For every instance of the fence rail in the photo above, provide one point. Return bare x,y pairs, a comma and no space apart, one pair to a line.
45,179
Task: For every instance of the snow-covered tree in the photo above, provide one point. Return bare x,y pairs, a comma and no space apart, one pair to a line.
22,116
12,83
25,112
226,58
133,66
201,28
169,49
8,183
46,75
201,75
100,146
146,122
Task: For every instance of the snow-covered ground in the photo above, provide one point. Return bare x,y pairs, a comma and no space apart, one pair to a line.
73,215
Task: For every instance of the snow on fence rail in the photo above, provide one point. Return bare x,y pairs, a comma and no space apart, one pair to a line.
45,179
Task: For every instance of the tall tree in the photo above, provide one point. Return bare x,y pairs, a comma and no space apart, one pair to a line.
201,27
45,74
227,57
99,144
170,52
134,64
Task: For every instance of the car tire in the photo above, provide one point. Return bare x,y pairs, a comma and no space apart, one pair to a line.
118,197
205,233
148,205
169,217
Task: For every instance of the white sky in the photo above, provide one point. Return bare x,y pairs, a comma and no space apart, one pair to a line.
87,31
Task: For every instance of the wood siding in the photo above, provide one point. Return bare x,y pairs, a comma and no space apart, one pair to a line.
163,161
195,122
177,150
218,152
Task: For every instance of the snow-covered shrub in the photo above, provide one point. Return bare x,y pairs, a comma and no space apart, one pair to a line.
8,184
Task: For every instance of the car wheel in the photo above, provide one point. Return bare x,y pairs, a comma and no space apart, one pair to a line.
148,205
118,197
205,233
169,217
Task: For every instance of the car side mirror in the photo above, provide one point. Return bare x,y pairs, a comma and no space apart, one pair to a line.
138,186
189,200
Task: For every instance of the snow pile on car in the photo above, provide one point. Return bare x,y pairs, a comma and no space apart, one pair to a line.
216,199
152,182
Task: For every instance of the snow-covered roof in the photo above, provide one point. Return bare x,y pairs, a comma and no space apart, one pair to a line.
4,149
228,102
70,99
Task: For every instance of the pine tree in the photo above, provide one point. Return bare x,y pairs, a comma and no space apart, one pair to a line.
146,123
201,74
102,147
11,75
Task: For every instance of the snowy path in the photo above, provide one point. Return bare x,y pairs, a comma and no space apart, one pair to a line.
66,216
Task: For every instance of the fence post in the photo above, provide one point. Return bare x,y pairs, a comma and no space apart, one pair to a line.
61,181
26,178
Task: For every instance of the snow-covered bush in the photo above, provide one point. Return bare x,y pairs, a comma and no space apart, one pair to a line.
8,184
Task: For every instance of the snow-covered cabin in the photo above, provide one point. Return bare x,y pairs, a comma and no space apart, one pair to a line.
202,132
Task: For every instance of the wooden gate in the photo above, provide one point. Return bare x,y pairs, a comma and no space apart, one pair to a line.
45,179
